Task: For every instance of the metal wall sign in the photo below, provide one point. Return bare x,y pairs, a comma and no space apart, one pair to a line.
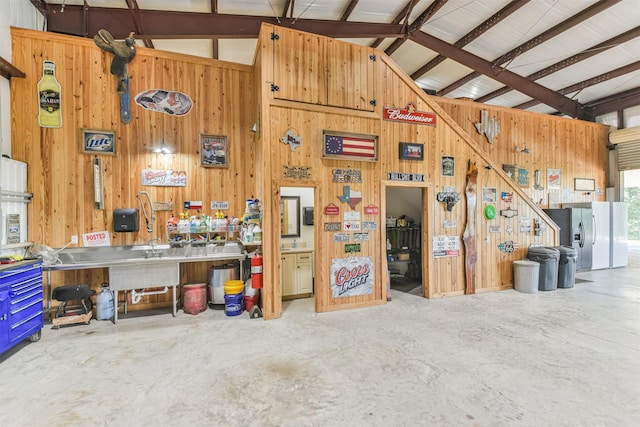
399,176
352,247
446,246
331,210
450,223
351,216
509,213
341,237
296,172
360,237
508,246
409,114
351,225
292,139
13,228
352,198
369,225
332,226
490,127
219,205
495,229
351,276
371,210
347,175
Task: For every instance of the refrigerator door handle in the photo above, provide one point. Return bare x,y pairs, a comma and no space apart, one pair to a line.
581,228
594,229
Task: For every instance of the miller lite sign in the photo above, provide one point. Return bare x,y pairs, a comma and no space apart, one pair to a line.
99,142
351,276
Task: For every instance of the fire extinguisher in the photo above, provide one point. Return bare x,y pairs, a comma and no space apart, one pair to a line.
256,270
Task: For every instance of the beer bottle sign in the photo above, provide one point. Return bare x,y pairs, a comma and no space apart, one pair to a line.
49,99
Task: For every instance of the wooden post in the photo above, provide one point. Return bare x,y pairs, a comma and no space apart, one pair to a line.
469,236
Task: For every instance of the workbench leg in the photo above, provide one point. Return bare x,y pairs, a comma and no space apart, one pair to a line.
116,307
173,288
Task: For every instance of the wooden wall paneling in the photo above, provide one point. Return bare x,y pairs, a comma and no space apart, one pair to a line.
299,66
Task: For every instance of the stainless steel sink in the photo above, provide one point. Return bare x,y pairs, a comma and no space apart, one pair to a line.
135,253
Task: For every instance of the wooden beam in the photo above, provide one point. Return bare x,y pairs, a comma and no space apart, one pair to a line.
7,70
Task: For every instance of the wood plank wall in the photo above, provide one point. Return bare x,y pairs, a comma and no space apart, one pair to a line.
292,109
60,176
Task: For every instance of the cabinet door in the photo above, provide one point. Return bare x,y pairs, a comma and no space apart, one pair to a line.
304,277
299,68
351,75
288,274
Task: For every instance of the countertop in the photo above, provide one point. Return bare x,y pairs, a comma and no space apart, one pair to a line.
284,251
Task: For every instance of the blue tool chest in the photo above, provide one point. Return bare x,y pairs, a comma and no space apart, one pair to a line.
21,303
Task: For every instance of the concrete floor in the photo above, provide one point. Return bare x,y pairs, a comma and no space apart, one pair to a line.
562,358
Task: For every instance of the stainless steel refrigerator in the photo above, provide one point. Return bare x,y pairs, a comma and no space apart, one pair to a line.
619,240
576,230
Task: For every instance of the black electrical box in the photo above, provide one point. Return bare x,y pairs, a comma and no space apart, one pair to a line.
125,220
307,215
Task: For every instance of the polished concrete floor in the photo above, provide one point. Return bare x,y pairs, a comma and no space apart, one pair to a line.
569,357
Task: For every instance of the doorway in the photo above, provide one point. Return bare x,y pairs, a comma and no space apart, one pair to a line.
297,243
403,228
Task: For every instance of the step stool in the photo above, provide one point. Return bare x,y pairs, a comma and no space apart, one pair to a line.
65,314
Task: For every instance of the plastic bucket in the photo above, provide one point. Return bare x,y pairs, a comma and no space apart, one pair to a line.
233,304
195,298
232,287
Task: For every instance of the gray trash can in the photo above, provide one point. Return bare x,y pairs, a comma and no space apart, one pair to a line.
548,259
526,276
567,266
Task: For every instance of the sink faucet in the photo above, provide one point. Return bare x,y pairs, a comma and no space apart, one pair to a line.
150,218
153,252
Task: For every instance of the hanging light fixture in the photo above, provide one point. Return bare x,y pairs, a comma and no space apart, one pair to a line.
162,148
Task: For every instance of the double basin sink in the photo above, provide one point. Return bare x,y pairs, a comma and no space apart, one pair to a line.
107,256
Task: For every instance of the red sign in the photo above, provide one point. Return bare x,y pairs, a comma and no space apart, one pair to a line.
409,115
371,210
331,209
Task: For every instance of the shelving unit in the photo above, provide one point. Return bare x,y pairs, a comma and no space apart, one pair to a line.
405,240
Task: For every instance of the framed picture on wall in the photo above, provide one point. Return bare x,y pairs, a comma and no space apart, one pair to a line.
411,151
98,141
584,184
214,151
554,179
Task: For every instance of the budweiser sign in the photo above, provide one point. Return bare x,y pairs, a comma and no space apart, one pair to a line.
409,115
351,276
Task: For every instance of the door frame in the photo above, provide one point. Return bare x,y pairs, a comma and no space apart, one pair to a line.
425,227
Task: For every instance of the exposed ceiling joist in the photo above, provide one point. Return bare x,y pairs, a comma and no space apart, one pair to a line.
473,34
135,15
191,25
404,13
573,59
506,77
536,41
417,24
352,5
635,66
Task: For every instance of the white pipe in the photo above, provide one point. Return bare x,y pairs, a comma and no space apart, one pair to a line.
136,296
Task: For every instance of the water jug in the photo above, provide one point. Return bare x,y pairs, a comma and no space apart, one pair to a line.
105,303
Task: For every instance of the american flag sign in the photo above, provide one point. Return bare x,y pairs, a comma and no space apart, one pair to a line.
359,147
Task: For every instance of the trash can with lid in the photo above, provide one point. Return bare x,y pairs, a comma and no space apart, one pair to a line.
567,266
526,276
548,259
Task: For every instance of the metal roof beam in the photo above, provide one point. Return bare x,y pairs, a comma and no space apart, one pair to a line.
538,40
574,59
417,24
473,34
506,77
188,25
630,68
404,13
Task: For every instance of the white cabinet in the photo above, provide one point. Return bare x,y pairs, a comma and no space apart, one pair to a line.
297,274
